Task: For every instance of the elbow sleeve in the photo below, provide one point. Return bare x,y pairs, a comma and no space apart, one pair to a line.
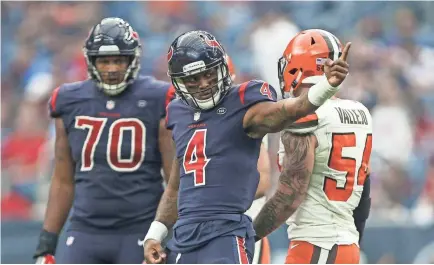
361,213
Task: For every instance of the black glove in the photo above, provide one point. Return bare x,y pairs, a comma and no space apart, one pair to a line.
47,244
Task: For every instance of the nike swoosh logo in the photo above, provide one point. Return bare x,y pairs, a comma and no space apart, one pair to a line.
294,246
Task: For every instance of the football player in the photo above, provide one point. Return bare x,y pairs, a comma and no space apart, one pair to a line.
217,130
324,184
111,144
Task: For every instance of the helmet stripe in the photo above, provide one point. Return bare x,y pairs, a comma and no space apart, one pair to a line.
331,44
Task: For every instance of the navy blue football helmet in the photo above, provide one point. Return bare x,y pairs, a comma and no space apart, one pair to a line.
113,36
194,52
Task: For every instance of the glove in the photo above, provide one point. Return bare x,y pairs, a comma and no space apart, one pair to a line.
47,259
46,248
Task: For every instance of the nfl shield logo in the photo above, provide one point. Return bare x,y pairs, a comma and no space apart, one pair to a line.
70,240
110,104
196,116
141,103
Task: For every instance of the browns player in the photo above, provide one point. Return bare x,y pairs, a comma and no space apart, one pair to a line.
324,184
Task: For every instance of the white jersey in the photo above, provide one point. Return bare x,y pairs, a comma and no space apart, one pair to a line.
343,129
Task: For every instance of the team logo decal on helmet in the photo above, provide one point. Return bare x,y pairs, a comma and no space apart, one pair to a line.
170,54
213,43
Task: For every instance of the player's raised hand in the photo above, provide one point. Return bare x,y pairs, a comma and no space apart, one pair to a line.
154,253
336,71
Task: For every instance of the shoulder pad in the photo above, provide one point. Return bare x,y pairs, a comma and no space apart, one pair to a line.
256,91
64,95
305,125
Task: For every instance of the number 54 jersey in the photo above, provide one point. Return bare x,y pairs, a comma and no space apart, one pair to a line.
114,145
343,129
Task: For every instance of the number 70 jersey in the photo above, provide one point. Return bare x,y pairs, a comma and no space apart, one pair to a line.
343,129
114,145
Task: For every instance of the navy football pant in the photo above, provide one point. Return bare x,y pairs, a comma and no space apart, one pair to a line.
81,247
220,250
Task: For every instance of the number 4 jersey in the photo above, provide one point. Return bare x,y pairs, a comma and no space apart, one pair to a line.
343,129
114,145
218,167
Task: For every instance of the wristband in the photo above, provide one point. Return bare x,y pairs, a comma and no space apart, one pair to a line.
320,92
158,231
47,244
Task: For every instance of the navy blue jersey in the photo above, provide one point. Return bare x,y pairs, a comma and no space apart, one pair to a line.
218,166
114,144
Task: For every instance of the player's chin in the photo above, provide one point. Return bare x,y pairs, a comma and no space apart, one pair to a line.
204,97
112,82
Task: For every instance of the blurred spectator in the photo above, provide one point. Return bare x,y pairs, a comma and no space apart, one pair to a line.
20,157
268,41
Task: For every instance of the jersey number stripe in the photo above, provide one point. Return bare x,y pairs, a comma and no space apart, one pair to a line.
95,127
346,164
195,159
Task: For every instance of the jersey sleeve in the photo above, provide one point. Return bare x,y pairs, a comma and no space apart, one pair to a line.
169,123
256,91
307,124
55,103
169,95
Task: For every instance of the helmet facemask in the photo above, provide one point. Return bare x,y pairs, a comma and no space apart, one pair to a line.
193,98
289,79
129,74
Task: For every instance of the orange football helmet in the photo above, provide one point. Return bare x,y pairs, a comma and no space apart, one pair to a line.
304,57
231,67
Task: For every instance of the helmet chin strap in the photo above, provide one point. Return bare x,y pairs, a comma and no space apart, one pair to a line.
112,90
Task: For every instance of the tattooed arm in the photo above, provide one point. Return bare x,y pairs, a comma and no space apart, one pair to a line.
167,212
61,192
271,117
293,183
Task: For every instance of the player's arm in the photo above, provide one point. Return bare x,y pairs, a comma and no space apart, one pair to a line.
293,183
264,172
166,148
361,213
270,117
167,213
61,193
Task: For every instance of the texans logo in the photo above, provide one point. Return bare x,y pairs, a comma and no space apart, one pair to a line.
135,35
213,43
130,35
170,54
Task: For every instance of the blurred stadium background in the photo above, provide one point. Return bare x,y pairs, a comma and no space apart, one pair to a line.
392,72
